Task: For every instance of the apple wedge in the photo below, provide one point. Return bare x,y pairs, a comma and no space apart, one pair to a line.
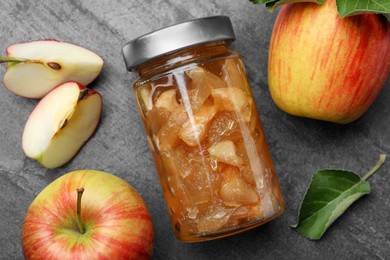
61,123
34,68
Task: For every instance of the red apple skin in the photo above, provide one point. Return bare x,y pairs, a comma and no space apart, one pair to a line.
116,220
323,67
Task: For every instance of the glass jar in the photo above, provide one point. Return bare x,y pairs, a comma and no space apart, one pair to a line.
203,130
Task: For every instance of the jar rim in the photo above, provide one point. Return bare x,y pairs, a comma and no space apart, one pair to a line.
176,37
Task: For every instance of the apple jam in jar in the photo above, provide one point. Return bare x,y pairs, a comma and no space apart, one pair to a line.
203,130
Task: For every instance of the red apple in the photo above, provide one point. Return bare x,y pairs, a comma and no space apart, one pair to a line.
325,67
112,221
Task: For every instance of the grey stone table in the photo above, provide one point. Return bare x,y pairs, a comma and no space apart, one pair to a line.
298,146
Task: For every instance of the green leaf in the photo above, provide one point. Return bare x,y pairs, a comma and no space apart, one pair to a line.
348,8
329,195
272,5
261,2
344,7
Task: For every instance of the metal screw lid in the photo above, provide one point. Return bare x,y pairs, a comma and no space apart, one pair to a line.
176,37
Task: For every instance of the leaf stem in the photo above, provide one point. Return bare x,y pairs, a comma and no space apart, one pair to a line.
12,59
382,159
78,219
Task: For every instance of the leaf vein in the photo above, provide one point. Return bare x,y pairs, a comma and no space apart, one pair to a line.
330,202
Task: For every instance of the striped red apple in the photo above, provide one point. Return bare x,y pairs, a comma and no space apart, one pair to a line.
109,221
324,67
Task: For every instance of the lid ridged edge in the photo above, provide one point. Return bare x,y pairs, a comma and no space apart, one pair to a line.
177,37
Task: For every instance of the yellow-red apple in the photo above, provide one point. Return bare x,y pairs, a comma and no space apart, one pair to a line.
109,221
324,67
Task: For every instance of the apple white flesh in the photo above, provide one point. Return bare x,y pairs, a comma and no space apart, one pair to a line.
34,68
61,123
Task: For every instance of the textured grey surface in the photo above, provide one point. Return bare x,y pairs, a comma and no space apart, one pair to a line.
298,146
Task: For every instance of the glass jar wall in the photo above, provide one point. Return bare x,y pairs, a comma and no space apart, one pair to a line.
207,141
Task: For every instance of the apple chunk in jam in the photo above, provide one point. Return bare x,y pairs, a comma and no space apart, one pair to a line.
210,150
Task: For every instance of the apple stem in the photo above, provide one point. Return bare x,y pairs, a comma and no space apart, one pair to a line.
78,219
381,161
52,65
12,59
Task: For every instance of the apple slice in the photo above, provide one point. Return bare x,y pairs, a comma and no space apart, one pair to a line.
34,68
61,123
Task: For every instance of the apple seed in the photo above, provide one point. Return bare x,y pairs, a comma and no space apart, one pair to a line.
54,65
83,94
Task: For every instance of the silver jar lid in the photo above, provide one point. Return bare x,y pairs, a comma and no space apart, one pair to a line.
176,37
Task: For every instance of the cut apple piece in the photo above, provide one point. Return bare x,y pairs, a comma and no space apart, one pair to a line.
230,99
146,98
233,99
216,218
167,100
196,97
34,68
233,73
202,77
61,123
168,136
225,151
193,131
235,191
